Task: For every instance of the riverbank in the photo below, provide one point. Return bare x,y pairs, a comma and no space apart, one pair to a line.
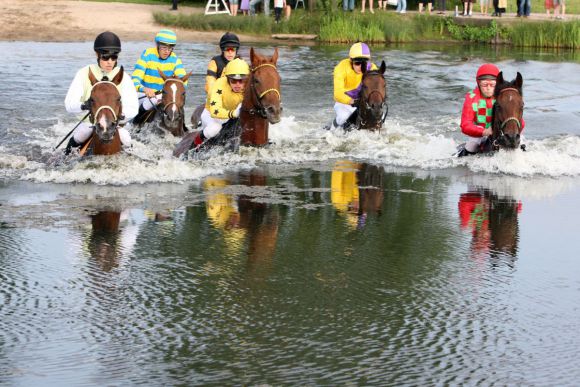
70,21
390,27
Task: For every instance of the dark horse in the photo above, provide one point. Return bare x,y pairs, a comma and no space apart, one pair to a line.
260,108
170,115
372,108
106,111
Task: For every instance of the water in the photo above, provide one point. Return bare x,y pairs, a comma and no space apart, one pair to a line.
329,258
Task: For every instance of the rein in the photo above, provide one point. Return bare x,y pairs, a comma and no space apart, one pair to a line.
260,110
502,125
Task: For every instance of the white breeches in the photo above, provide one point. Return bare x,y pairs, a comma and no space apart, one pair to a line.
473,143
146,102
210,126
343,111
85,130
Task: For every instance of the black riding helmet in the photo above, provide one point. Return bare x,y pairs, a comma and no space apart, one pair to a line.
229,40
107,43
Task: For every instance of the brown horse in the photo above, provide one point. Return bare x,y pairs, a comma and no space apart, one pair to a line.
372,107
262,99
170,115
106,111
260,107
507,113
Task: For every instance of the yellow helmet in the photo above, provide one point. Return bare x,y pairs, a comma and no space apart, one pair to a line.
237,69
359,50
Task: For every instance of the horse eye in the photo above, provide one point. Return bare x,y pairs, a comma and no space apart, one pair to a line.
183,93
163,92
119,99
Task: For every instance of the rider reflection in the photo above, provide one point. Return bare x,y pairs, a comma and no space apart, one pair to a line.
493,221
356,190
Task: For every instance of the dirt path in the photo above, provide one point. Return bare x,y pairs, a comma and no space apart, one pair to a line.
69,20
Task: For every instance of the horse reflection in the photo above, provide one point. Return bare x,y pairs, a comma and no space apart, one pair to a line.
493,221
356,191
104,239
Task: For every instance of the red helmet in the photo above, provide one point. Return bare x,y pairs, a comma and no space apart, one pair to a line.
487,69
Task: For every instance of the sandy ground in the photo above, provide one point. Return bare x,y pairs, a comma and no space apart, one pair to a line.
69,20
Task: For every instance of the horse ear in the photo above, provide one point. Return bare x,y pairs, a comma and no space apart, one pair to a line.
119,77
186,77
500,78
519,81
275,56
92,77
161,74
252,56
383,67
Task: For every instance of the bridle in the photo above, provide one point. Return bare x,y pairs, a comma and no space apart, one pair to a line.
116,117
259,108
498,138
171,103
364,103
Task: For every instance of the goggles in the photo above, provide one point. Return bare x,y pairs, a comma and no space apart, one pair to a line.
488,83
236,81
165,47
229,49
359,62
107,57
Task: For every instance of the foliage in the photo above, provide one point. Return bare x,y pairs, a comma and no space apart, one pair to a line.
546,34
472,33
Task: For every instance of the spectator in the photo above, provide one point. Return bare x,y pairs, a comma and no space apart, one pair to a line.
442,7
290,4
253,4
429,5
279,5
348,5
402,6
525,8
500,6
548,5
234,7
245,7
467,7
484,6
559,8
370,6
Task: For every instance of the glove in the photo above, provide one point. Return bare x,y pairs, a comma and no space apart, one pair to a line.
86,105
236,113
354,102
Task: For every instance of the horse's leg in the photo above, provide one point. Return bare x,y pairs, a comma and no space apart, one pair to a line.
255,131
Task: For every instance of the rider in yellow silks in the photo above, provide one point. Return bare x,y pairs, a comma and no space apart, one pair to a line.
344,193
348,75
224,101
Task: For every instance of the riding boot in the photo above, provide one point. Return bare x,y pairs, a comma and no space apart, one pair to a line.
71,144
464,152
335,125
141,116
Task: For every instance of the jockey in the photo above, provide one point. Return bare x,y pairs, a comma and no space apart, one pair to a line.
347,82
146,75
224,101
107,47
477,110
229,45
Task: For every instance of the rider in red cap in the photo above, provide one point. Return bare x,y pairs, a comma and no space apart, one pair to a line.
477,110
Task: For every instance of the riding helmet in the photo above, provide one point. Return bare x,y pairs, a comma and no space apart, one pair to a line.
359,51
107,43
487,71
237,69
166,37
229,40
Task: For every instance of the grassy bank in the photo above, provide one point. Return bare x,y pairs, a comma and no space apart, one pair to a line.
386,27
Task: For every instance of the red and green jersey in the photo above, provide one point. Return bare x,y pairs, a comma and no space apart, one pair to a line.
477,113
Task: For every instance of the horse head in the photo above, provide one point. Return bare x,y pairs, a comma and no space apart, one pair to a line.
173,102
262,94
507,112
373,99
106,107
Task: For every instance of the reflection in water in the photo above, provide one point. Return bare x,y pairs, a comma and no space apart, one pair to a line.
493,221
356,190
243,217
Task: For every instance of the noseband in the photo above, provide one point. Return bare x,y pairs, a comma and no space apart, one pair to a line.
497,139
105,107
258,106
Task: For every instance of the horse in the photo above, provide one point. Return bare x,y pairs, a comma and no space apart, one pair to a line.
170,116
372,108
106,111
260,108
507,113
